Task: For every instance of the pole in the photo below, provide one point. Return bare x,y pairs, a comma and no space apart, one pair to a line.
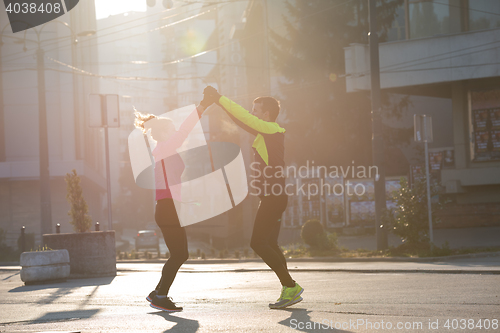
108,172
266,49
2,127
429,208
23,239
377,140
46,213
322,201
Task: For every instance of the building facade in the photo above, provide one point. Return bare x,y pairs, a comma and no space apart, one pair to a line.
71,143
449,49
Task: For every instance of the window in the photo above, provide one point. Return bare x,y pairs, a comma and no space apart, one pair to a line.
430,18
484,14
398,28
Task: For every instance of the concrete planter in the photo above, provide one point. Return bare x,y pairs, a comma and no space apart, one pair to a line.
43,266
92,254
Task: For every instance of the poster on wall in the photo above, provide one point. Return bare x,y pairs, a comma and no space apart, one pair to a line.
482,138
495,118
448,158
485,124
495,140
391,186
435,160
417,172
480,119
362,211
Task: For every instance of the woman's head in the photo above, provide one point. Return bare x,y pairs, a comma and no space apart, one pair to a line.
161,128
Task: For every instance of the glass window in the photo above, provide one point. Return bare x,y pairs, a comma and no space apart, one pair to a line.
398,29
430,18
484,14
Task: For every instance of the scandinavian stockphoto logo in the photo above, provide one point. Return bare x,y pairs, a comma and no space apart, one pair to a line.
26,14
174,158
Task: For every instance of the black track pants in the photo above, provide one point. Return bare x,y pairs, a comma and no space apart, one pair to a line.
265,234
176,241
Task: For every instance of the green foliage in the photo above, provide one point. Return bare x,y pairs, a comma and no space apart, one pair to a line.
314,235
410,218
310,54
79,219
312,232
40,248
295,250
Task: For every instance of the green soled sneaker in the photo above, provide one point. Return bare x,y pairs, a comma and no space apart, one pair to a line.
289,296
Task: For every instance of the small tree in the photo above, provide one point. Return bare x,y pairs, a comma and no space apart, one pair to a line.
79,219
410,218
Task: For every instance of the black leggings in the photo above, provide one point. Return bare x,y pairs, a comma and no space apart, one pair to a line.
265,234
175,239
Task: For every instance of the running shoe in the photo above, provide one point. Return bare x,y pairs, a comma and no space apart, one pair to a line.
282,293
289,296
164,304
149,298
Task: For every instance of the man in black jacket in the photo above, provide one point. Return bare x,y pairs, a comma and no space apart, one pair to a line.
268,183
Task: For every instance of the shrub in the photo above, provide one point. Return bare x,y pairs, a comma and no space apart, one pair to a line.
312,232
317,238
410,218
80,220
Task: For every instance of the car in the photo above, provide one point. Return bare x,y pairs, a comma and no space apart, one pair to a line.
147,239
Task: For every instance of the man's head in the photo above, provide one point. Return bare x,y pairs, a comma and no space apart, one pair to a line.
266,108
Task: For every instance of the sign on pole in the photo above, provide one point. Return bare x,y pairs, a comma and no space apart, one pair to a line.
423,133
104,113
423,128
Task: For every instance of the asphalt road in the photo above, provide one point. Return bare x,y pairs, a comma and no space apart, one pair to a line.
234,298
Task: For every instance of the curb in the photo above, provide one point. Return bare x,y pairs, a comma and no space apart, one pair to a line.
321,259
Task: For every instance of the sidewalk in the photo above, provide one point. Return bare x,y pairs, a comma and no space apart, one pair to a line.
484,263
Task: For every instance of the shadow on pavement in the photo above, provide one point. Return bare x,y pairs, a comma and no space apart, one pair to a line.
301,321
65,288
182,324
65,315
68,284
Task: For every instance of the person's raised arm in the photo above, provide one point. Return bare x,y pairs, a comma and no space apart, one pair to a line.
254,124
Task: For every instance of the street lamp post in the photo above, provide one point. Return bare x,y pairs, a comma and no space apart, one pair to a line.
377,139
